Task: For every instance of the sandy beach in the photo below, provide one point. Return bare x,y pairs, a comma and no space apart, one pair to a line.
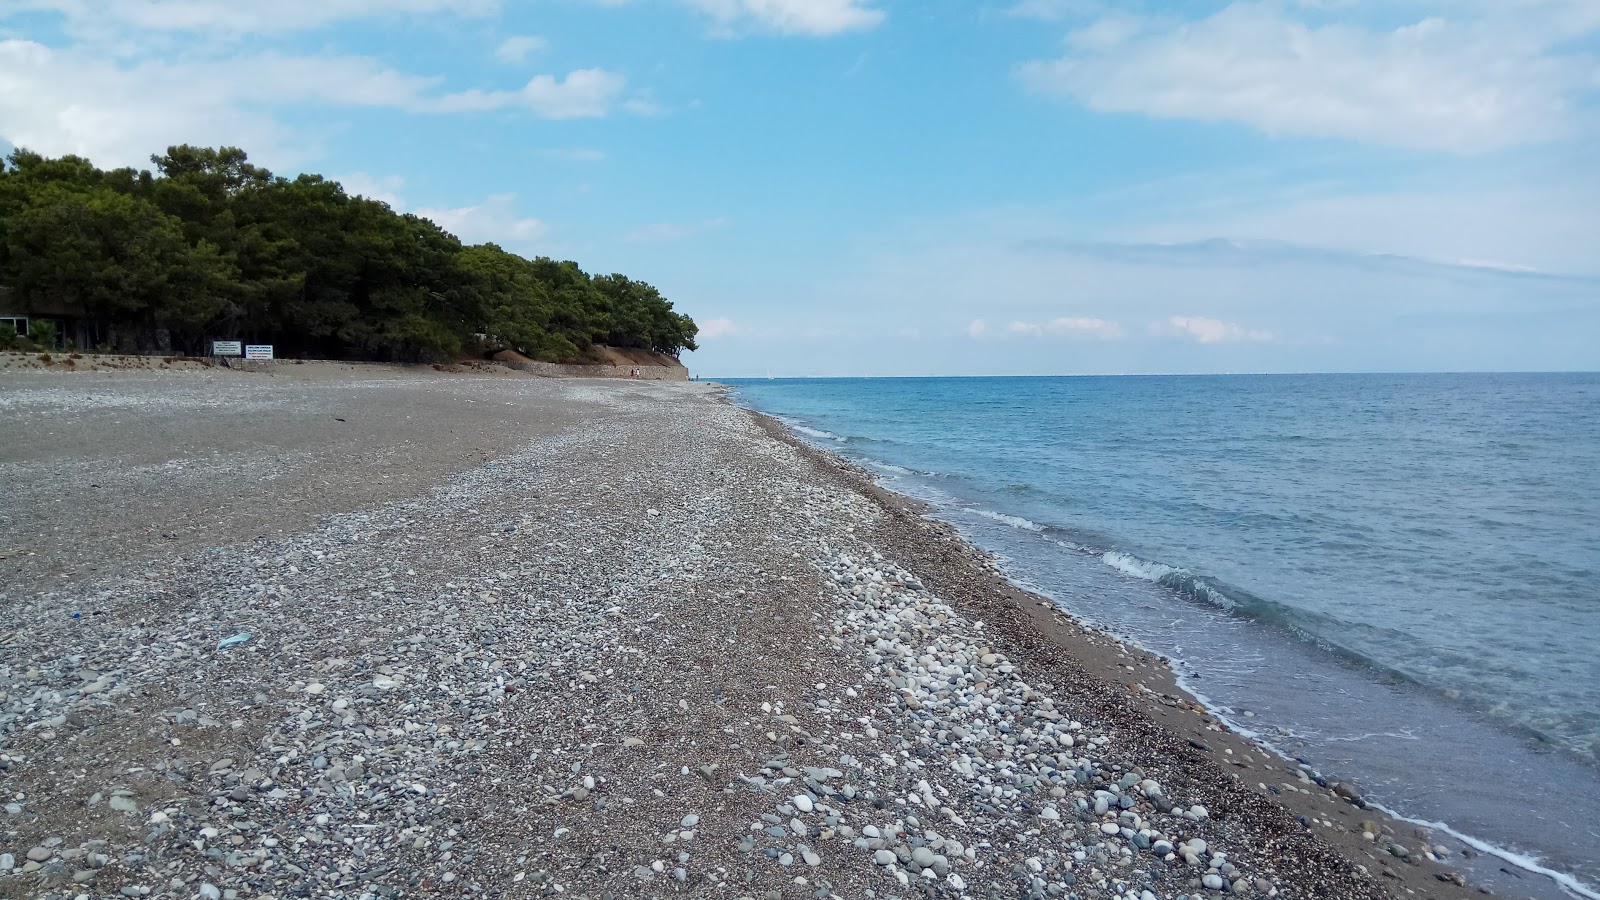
378,632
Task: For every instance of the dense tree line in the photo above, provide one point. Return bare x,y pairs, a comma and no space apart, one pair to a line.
212,247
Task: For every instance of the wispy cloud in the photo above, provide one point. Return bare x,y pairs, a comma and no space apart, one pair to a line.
385,189
518,48
581,94
574,154
815,18
1069,326
1208,331
661,232
1461,85
977,328
79,101
494,220
1053,10
717,327
115,20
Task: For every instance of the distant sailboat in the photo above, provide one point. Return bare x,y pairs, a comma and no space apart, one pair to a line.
769,374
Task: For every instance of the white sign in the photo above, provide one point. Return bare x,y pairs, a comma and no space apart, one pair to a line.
258,351
227,348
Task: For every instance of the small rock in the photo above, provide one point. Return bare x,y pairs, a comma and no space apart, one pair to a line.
40,854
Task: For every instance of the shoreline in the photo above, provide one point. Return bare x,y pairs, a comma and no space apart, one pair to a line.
1346,801
607,639
1150,687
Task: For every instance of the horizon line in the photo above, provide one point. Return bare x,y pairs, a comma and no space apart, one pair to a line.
768,377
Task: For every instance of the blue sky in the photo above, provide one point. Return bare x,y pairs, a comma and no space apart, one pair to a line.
873,187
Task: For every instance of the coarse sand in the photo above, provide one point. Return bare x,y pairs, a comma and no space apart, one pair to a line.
512,636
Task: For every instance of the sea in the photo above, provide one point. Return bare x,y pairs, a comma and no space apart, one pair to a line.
1393,578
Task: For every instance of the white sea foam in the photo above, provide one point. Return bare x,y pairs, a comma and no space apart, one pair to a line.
1524,861
1160,573
1351,739
1138,568
1013,521
889,467
817,433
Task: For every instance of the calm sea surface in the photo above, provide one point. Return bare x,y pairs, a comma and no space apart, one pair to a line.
1394,577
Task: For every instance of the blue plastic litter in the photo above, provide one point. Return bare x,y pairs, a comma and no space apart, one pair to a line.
234,641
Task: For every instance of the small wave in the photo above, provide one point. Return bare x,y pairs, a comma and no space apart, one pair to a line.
888,467
1397,735
1076,547
1179,580
1013,521
816,433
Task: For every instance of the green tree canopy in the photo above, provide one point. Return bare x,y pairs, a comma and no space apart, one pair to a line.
210,246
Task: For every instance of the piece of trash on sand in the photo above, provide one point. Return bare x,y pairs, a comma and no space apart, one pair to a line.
234,641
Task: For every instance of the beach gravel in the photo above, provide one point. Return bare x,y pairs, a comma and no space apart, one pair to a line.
627,645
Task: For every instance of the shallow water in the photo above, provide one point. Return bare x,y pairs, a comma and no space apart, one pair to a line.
1395,575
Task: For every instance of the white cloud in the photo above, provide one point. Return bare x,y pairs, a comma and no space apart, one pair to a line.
1455,85
719,327
495,220
582,94
1052,10
1208,331
642,104
384,189
78,101
233,17
518,48
977,328
661,232
1069,326
1529,226
816,18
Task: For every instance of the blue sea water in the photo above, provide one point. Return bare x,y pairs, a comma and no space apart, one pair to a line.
1395,577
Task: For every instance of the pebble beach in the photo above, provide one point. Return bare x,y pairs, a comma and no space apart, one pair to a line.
372,632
